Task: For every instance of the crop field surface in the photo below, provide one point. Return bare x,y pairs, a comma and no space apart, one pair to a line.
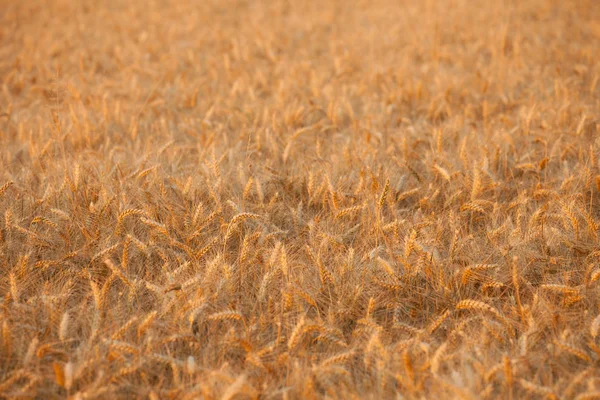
228,199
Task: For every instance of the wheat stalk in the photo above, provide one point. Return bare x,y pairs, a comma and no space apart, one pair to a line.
5,187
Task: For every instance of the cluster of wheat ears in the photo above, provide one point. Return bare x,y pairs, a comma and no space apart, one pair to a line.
281,200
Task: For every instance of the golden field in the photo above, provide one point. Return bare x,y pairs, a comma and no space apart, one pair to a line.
231,199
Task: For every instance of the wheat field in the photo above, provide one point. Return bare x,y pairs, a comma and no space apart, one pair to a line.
233,199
